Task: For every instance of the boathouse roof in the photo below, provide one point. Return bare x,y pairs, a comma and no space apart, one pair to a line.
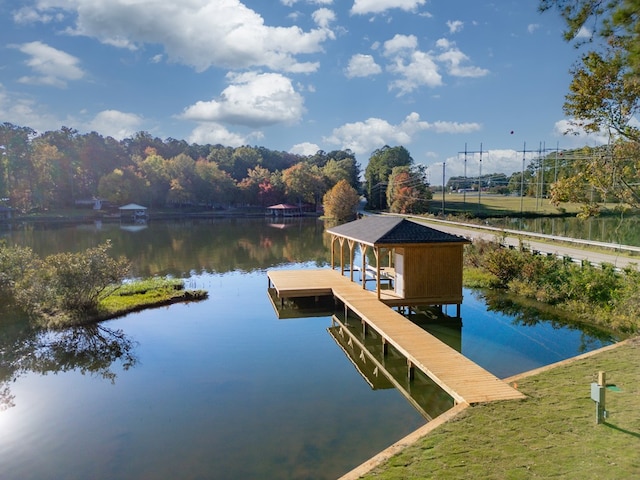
283,206
132,206
378,231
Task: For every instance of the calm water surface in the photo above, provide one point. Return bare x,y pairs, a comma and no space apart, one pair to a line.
222,388
619,230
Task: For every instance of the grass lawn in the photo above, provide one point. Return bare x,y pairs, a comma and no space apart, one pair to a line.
553,433
148,293
496,205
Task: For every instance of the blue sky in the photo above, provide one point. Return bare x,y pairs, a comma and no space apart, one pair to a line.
296,75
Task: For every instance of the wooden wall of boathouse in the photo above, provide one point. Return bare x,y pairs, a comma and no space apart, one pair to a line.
432,272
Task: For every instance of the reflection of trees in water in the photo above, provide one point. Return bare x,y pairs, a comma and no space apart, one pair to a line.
91,349
204,245
529,313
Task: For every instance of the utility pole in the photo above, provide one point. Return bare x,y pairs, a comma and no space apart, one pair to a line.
479,174
480,179
444,164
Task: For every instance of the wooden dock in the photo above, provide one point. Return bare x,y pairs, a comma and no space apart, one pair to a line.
461,378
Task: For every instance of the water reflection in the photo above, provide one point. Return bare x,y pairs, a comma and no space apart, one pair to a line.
91,349
387,369
191,246
527,313
621,230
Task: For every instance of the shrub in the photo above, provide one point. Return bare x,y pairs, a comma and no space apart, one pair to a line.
68,286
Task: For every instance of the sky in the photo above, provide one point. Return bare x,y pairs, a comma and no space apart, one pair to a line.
436,76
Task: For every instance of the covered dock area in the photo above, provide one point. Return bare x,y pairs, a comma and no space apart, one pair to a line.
411,263
462,379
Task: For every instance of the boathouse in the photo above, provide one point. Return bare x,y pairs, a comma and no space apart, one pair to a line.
284,210
412,264
133,212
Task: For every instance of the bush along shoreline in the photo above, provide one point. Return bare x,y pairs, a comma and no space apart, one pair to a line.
600,296
69,289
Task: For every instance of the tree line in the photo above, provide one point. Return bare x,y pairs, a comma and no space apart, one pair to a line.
56,169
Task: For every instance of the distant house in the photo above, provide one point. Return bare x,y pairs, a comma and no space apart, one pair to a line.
417,264
133,212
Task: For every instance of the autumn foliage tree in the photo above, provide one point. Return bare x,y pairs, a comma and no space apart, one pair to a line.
341,202
603,98
407,191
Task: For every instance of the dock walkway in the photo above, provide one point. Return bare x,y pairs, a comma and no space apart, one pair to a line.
461,378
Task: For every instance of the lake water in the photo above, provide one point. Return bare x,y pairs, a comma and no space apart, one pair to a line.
619,230
222,388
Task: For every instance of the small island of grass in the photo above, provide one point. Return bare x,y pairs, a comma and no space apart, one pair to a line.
69,289
143,294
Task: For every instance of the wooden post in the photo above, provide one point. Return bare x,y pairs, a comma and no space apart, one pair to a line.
410,370
333,241
598,396
364,328
385,347
376,253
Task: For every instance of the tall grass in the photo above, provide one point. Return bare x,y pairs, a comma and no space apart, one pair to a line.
600,296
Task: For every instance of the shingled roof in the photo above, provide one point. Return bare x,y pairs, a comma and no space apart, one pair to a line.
379,231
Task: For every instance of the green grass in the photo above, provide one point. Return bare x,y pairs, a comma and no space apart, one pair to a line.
552,433
499,205
147,293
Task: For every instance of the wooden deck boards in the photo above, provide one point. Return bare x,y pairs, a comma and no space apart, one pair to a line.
461,378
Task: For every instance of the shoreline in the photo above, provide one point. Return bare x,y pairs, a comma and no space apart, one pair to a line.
378,460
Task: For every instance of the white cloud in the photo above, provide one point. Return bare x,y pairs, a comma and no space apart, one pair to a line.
364,137
454,127
26,112
454,26
584,33
400,43
116,124
576,136
291,3
253,99
414,67
51,66
304,148
532,27
415,71
454,59
27,15
505,161
363,7
198,33
323,18
213,133
362,66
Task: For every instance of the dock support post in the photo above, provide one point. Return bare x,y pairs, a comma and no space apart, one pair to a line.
410,370
385,347
458,310
364,328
